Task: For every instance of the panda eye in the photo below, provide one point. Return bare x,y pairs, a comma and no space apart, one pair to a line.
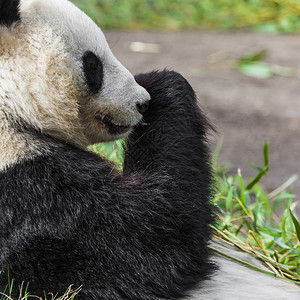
93,71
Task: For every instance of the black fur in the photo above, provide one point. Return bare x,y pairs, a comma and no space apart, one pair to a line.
67,218
9,12
93,71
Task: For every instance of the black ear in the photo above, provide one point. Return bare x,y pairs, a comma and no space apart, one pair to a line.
9,12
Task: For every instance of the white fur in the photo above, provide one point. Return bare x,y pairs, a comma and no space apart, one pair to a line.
42,81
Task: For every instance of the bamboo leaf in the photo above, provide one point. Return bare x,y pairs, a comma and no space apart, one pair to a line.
254,57
266,154
243,199
256,69
229,198
257,178
259,169
296,224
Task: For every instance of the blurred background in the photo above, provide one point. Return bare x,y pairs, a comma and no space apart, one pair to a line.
241,57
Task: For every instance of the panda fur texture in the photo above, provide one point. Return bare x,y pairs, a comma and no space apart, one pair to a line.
66,216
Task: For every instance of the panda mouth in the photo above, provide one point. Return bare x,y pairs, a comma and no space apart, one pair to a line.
113,128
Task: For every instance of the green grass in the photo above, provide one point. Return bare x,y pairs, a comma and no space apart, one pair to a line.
265,15
70,293
261,223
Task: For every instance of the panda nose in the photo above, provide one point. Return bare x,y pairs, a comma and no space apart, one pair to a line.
142,107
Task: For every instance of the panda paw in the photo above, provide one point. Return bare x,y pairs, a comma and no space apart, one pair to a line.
171,96
165,83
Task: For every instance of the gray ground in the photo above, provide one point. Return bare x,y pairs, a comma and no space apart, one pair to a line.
245,110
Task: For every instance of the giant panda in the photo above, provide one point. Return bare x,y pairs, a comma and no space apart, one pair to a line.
67,216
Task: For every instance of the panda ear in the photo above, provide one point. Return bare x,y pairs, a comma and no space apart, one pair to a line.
9,12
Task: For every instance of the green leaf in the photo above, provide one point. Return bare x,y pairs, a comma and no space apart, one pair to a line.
256,69
254,166
283,222
276,203
239,228
247,199
255,215
273,230
296,224
266,154
263,171
281,244
243,198
229,198
287,204
283,196
257,178
254,57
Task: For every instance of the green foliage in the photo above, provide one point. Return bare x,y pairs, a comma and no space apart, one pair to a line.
70,294
252,65
263,224
265,15
296,224
261,172
113,151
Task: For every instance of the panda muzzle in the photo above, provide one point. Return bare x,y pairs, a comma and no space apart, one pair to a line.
113,128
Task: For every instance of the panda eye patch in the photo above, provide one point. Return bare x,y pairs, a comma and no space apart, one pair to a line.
93,71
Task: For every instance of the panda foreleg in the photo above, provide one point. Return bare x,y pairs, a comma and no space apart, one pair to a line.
168,151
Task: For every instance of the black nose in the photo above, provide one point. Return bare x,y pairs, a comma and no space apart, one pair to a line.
142,107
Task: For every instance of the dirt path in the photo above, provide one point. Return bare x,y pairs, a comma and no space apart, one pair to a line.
245,110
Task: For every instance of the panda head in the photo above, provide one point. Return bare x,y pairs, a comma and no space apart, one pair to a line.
58,75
